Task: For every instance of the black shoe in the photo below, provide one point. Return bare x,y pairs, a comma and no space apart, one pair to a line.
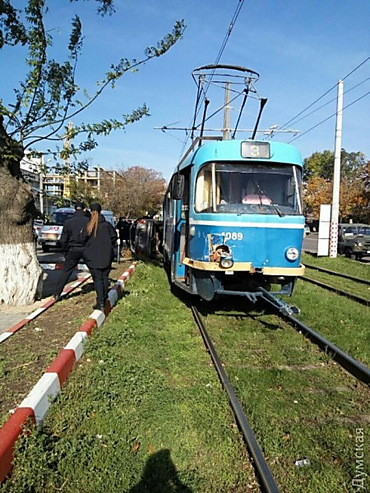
99,307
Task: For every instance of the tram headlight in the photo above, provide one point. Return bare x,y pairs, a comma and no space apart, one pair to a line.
226,260
292,254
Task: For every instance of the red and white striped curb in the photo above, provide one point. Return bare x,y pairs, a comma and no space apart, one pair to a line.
59,266
5,335
36,405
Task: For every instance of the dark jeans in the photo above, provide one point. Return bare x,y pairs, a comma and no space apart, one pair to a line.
101,284
70,264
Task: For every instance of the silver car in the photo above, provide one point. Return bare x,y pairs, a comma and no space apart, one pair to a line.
50,234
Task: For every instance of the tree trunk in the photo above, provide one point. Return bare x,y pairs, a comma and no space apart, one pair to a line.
20,272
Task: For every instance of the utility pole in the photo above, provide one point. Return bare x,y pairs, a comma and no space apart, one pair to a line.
226,129
41,183
336,177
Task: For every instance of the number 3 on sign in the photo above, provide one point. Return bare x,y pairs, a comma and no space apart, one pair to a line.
233,236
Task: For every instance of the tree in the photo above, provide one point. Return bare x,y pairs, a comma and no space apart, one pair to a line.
318,186
322,164
316,192
44,103
112,191
82,192
133,193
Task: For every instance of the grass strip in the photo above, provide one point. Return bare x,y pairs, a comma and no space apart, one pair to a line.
346,285
341,320
300,403
339,264
25,356
144,411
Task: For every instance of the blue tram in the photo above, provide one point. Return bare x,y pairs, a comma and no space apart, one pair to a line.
232,219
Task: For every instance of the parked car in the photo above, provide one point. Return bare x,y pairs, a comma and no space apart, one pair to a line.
37,225
354,240
50,233
108,216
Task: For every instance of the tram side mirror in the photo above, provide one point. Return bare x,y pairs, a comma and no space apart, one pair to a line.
177,186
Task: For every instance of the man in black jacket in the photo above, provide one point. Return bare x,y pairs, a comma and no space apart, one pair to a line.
72,246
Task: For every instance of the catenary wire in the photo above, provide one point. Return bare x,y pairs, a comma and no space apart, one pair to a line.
330,101
218,58
323,95
328,118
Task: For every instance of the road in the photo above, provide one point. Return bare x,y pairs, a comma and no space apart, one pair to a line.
54,256
310,243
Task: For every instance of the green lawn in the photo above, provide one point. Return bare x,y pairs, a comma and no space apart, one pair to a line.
144,411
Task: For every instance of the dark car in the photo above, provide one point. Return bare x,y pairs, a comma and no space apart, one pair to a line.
354,240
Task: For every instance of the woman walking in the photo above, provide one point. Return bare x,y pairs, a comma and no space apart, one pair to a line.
98,252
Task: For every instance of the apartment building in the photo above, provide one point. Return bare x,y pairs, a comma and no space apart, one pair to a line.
48,186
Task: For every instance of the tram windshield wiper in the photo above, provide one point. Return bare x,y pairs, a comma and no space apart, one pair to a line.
278,210
262,193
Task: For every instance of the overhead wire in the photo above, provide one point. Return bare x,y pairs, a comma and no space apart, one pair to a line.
331,100
218,58
323,95
224,43
328,118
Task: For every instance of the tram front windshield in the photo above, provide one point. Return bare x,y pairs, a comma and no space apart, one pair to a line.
252,188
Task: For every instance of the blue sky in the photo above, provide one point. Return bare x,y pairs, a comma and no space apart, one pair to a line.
300,48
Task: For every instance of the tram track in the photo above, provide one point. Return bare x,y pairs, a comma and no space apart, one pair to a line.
267,481
338,274
263,381
337,282
262,456
352,296
357,369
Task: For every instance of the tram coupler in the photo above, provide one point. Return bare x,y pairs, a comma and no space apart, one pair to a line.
283,307
253,297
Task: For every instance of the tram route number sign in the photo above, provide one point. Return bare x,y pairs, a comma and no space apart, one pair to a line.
256,150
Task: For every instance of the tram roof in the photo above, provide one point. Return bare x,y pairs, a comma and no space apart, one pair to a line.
215,149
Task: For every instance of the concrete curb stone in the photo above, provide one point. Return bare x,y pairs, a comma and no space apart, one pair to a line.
36,405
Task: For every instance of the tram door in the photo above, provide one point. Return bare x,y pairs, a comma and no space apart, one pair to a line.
181,229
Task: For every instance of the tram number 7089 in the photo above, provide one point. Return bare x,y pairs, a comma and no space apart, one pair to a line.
233,236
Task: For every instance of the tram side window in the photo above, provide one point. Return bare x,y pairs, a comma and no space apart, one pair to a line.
203,193
167,204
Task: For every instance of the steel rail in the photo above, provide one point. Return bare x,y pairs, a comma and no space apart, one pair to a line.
357,369
264,473
332,272
354,297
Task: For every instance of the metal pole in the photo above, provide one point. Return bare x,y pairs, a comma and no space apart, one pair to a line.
336,177
41,177
226,129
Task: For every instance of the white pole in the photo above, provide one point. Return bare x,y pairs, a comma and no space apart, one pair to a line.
336,177
41,177
226,129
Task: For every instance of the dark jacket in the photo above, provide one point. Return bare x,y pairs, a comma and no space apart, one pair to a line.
99,252
71,234
123,227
